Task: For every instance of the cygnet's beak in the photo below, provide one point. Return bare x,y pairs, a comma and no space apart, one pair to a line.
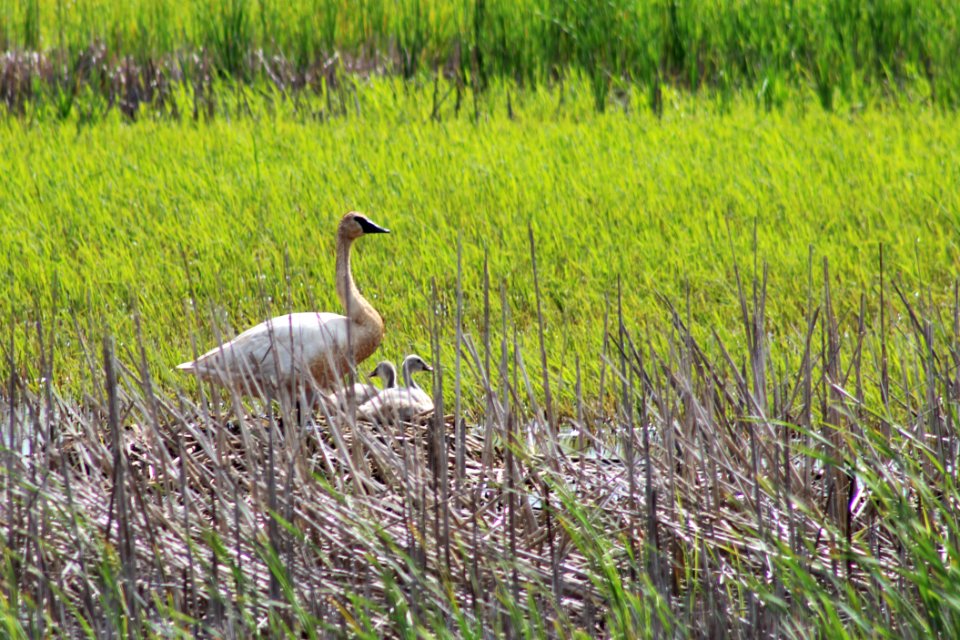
371,227
427,367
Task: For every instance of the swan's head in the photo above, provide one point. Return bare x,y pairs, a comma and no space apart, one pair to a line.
353,225
386,372
414,363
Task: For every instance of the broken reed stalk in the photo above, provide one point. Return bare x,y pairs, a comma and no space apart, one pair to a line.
120,505
548,398
458,420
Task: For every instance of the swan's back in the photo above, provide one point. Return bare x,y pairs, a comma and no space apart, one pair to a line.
280,352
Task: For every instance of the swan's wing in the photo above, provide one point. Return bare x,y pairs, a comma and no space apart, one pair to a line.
274,350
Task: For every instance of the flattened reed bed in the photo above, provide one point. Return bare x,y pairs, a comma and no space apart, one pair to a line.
725,493
187,469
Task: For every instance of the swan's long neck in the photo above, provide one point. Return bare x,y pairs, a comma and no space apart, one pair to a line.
356,306
408,380
389,377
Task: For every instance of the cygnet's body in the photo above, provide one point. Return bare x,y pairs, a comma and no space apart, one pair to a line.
364,392
400,403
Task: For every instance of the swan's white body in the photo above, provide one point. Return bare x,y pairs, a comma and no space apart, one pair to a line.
277,355
400,403
291,357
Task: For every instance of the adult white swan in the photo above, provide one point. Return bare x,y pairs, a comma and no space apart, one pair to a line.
296,353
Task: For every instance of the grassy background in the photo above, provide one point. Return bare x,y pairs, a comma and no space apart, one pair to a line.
767,45
99,221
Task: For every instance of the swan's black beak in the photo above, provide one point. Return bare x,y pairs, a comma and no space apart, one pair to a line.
427,367
374,373
370,227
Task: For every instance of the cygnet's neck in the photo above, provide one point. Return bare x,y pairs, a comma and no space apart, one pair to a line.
408,380
388,374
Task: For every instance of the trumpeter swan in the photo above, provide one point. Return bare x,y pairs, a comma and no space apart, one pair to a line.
298,352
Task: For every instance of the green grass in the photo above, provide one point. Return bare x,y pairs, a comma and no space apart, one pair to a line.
239,217
767,45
